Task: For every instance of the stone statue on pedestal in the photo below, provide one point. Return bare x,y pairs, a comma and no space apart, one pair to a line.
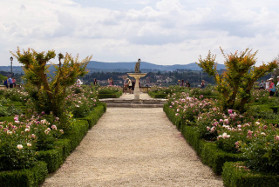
137,66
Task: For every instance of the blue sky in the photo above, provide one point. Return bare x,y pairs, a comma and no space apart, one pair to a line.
157,31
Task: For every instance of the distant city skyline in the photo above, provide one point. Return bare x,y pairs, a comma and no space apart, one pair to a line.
164,32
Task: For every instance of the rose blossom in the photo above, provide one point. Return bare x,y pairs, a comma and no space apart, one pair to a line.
19,146
262,133
225,135
54,127
277,137
29,144
230,111
226,121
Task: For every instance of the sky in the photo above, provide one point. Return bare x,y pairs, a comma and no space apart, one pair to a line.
158,31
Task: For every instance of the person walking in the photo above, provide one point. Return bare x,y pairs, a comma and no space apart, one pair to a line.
271,87
203,84
187,84
130,84
10,81
14,82
95,82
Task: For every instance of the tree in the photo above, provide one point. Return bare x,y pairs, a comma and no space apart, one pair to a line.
49,92
235,84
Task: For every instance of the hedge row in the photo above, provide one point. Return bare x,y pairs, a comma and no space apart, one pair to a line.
157,95
26,177
209,153
51,160
236,175
110,95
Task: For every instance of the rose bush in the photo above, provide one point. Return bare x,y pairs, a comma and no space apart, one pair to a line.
19,140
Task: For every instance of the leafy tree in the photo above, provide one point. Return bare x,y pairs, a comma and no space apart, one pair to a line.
235,84
48,93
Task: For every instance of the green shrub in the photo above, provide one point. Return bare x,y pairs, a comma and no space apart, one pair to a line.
95,114
235,174
262,151
215,158
7,118
53,158
65,144
192,136
76,132
26,177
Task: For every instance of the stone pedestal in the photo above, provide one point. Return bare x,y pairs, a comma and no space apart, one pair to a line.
137,76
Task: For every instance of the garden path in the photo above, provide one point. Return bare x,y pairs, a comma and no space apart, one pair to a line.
133,147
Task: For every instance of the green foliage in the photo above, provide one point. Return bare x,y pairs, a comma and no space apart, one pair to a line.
53,158
215,158
236,83
49,95
235,174
81,100
109,92
95,114
26,177
262,150
2,78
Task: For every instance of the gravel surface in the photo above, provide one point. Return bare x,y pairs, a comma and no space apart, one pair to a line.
133,147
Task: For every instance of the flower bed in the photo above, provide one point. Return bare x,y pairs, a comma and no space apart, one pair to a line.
221,137
209,153
52,157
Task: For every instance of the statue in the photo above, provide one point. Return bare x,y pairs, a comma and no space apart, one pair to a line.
137,66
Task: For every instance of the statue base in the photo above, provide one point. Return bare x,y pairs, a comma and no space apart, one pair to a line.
137,76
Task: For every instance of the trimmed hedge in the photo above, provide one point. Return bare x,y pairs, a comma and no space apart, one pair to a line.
235,175
192,136
25,177
157,95
215,158
94,115
109,95
53,158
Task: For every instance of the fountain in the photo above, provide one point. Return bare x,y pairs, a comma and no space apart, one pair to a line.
137,75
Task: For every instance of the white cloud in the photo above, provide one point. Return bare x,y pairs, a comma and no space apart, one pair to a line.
159,31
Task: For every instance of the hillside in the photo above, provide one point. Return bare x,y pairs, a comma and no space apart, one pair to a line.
94,66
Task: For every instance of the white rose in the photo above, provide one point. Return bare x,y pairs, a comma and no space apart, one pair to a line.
19,146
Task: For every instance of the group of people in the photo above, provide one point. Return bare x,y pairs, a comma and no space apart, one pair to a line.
270,86
181,83
10,82
187,84
129,85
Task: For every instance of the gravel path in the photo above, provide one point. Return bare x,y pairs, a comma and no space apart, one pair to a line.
133,147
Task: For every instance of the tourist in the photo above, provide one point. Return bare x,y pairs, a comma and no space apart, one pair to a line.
6,83
110,81
130,84
182,83
14,82
261,85
271,87
267,85
187,84
203,84
79,82
95,82
178,83
10,82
